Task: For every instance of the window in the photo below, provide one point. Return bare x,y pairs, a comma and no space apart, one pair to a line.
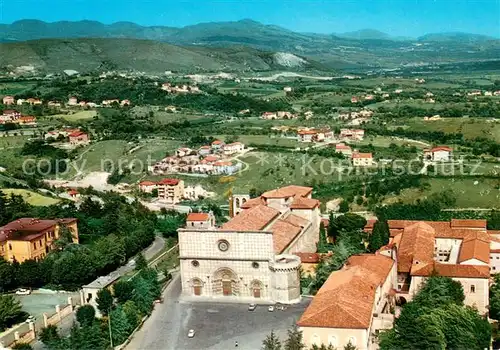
10,246
332,340
195,263
315,339
255,265
34,245
472,288
352,340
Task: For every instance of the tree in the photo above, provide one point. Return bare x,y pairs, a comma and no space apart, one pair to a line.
22,346
120,328
294,341
350,346
495,298
379,236
322,347
123,291
91,337
85,315
65,237
10,311
140,262
344,206
29,274
50,337
104,301
7,275
438,291
271,342
348,222
142,296
132,313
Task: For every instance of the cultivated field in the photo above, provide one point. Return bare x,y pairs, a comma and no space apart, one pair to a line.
31,197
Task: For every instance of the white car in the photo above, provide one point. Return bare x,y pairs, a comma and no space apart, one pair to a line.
191,333
270,308
31,318
22,291
251,307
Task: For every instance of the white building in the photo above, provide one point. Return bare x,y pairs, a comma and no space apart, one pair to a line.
249,258
362,159
438,154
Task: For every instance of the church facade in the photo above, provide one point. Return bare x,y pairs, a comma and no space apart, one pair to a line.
250,258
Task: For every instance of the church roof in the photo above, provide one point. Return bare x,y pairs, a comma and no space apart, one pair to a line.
254,219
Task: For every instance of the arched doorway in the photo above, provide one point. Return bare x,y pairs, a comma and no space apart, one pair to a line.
197,286
400,301
256,289
225,282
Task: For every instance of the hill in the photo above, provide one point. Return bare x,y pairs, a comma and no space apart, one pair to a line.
365,49
82,55
456,36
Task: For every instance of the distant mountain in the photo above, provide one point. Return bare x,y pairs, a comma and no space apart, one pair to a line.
83,55
365,34
365,49
455,36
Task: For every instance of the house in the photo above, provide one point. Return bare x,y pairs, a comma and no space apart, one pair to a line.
78,137
170,190
285,115
488,93
147,186
125,103
8,100
32,238
496,93
308,114
204,150
398,91
73,193
352,134
306,135
27,120
89,291
34,101
269,115
362,159
109,103
225,168
20,101
474,93
369,97
429,94
82,103
354,99
232,148
217,145
184,151
195,192
72,101
244,111
352,305
217,263
171,109
344,149
54,104
438,154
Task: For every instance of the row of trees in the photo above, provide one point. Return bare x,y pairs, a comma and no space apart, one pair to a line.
294,341
122,312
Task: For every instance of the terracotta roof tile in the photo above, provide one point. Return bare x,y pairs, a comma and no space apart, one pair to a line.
453,270
198,217
308,258
469,223
304,203
256,218
288,191
283,234
253,203
346,298
170,182
417,245
475,246
297,220
362,155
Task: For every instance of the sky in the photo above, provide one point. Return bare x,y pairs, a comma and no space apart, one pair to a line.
397,17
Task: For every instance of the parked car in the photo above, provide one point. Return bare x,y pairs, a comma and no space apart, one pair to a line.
270,308
31,318
191,333
23,291
251,307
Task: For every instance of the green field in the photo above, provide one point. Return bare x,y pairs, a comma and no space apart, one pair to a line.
385,141
13,88
76,116
31,197
470,193
264,140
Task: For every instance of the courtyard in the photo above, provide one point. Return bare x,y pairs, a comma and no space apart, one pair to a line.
217,325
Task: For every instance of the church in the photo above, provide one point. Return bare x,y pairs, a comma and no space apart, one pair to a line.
251,257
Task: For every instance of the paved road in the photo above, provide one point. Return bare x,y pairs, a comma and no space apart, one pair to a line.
217,325
157,245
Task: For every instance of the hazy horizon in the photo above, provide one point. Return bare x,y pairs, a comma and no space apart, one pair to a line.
410,18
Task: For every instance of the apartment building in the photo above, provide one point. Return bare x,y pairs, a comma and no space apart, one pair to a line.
171,190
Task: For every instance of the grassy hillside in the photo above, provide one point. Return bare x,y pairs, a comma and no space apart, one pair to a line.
55,55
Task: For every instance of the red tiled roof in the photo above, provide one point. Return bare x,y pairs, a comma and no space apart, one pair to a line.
475,246
469,223
254,219
216,142
441,148
26,229
347,297
451,270
416,246
362,155
253,202
288,191
308,258
198,217
76,134
170,182
296,220
147,183
284,233
308,132
304,203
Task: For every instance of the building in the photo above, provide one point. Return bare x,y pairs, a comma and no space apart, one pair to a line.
352,134
147,186
34,101
183,151
196,192
217,145
352,304
204,150
31,238
171,190
89,292
362,159
72,101
250,257
287,89
8,100
200,220
438,154
354,99
78,137
27,120
344,149
306,135
125,103
232,148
